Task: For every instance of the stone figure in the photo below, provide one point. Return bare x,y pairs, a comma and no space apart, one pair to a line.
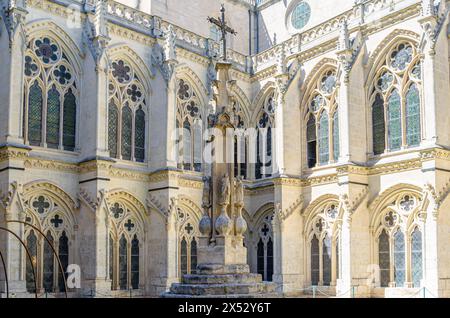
239,190
225,189
206,202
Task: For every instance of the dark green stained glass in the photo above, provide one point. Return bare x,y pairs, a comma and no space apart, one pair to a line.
183,257
384,259
193,256
32,247
315,259
394,122
69,121
326,260
127,123
413,116
416,257
113,124
399,259
53,118
135,263
336,135
311,141
139,136
63,254
35,115
48,269
123,263
378,126
323,139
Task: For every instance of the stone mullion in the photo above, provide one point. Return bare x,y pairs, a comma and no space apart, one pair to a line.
128,264
386,124
25,113
408,259
391,261
320,261
56,269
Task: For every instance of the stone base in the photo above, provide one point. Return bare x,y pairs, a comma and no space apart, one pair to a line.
222,281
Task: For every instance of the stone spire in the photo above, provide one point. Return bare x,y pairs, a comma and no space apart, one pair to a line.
344,38
428,8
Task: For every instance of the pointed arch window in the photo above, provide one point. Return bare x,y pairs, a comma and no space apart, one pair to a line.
400,252
264,249
188,243
264,146
50,96
45,213
322,127
326,260
396,106
126,113
124,242
190,144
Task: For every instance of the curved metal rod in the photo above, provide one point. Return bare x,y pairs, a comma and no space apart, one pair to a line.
6,274
29,257
51,246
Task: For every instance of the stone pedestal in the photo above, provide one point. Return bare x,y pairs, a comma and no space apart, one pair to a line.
222,281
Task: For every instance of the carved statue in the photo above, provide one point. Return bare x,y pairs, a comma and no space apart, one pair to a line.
206,192
225,189
239,190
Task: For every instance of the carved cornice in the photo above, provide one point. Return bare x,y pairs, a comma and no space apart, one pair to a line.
128,174
13,153
34,163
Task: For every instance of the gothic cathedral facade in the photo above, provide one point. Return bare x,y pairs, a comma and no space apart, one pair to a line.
104,107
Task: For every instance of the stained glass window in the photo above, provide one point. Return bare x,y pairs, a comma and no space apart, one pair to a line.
315,259
113,125
260,258
135,263
48,269
32,247
399,259
53,116
300,15
394,122
187,148
326,260
127,123
69,121
184,256
63,254
139,136
336,149
384,259
416,257
35,115
323,139
55,94
269,260
402,56
378,125
193,256
311,141
413,116
197,131
123,263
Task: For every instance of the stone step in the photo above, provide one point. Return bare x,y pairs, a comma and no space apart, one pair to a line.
264,295
222,279
222,289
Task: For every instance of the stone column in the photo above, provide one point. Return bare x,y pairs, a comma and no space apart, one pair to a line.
12,49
